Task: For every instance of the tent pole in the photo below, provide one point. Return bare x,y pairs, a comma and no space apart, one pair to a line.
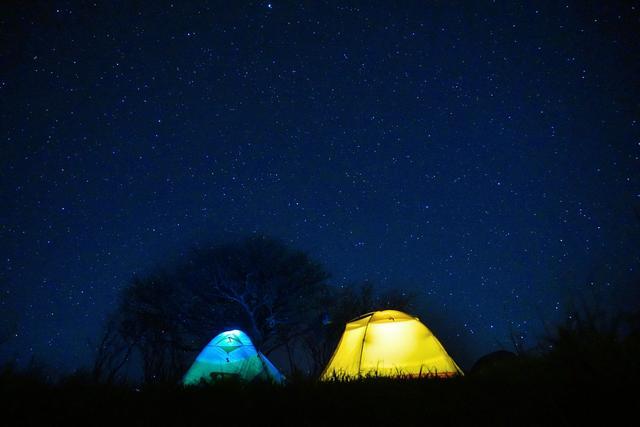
364,336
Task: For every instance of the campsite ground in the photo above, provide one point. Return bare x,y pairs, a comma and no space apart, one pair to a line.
588,375
529,398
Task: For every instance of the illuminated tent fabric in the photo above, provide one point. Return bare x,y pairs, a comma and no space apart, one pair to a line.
231,354
388,343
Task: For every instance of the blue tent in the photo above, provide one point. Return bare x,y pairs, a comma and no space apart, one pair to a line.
231,354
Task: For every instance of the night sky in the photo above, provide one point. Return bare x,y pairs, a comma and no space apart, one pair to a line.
484,155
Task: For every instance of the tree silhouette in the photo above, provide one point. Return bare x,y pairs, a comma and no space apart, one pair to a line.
259,285
112,353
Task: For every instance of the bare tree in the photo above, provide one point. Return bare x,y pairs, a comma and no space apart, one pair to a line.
259,285
112,353
151,319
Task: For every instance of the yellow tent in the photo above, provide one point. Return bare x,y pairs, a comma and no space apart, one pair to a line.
388,343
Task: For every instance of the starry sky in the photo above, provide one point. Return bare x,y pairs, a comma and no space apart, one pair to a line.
484,155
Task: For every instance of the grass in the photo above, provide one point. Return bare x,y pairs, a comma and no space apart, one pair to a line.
515,395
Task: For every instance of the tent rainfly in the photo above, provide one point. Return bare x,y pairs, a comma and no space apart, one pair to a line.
388,343
231,354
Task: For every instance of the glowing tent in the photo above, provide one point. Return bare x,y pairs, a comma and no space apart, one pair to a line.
388,343
231,354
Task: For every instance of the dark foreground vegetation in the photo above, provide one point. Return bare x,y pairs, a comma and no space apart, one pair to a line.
587,375
531,397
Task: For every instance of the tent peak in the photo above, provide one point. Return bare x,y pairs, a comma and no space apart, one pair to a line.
384,315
